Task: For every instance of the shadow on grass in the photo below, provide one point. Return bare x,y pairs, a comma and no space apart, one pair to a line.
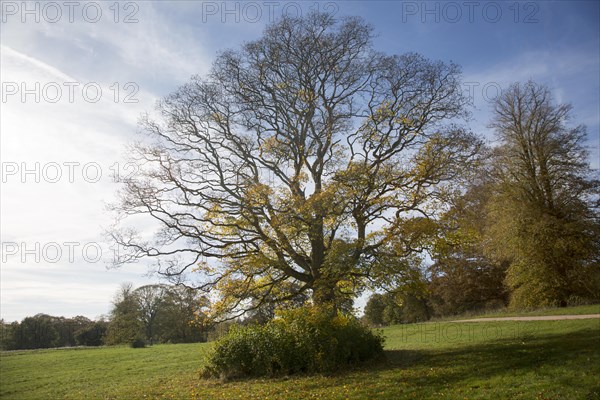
505,354
546,356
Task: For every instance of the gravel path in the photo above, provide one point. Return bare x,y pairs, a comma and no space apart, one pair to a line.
532,318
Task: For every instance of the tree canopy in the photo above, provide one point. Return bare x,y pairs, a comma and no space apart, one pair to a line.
305,162
544,209
157,313
463,276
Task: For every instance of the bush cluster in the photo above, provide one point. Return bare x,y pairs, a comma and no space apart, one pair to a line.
303,340
137,343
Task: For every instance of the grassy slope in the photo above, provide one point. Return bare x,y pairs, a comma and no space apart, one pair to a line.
500,360
578,310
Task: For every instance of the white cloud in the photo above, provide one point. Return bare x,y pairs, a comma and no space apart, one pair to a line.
57,201
146,60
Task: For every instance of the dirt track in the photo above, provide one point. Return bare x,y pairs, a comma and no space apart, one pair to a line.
532,318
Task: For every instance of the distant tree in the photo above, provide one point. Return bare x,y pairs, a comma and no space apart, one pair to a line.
67,328
392,312
300,159
150,299
7,335
182,316
92,334
46,331
413,308
158,313
545,208
395,308
374,309
125,318
36,332
463,277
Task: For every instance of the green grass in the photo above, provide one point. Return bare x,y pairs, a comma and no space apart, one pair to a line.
107,373
576,310
447,360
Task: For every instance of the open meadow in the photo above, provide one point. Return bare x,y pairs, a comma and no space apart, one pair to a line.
441,360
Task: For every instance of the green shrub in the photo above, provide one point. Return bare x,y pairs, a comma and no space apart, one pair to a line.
305,340
137,343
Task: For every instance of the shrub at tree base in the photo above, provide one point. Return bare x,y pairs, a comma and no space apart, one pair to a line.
137,344
304,340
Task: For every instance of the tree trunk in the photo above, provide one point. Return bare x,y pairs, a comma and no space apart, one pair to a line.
324,295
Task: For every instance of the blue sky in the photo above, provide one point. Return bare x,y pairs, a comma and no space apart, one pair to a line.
149,48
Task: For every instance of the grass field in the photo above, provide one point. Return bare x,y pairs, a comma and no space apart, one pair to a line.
578,310
438,360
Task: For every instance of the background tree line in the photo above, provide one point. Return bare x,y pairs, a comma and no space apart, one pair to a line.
152,314
46,331
525,232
